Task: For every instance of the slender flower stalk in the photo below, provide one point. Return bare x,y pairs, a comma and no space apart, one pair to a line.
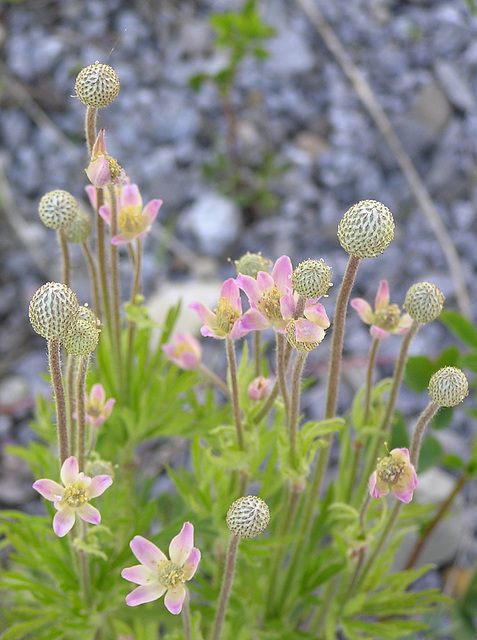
80,409
70,402
281,373
102,261
93,276
65,257
369,378
54,358
257,353
186,623
115,288
424,419
90,128
214,379
295,404
232,364
226,588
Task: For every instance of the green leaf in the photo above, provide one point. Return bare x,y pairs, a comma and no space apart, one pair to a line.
442,417
419,369
453,462
460,327
431,454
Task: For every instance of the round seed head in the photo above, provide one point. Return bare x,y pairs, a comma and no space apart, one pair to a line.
290,331
80,229
82,339
88,315
99,467
424,302
53,310
312,278
448,387
97,85
366,229
251,263
247,517
57,209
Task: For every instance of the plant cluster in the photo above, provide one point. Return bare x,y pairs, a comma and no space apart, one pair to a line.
315,555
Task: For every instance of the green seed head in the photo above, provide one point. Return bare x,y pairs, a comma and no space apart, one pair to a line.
88,315
448,387
290,331
97,85
312,278
247,517
366,229
58,209
80,229
424,302
82,339
53,310
251,263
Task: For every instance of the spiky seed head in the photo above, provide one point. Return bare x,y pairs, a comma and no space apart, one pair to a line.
251,263
82,339
366,229
290,332
53,310
424,302
448,387
312,278
99,467
58,209
88,315
97,85
247,517
80,229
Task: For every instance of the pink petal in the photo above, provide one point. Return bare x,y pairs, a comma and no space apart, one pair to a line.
49,489
130,197
98,485
231,293
174,599
146,552
205,314
69,471
108,407
190,565
404,324
97,395
63,521
98,172
401,454
88,513
207,333
364,310
182,544
378,333
139,574
99,146
316,313
251,287
404,495
91,193
237,331
282,272
252,320
123,238
288,305
105,213
146,593
382,296
151,210
376,489
306,331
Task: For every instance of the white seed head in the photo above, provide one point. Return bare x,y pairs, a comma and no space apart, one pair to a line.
366,229
251,263
88,315
80,229
448,387
82,339
58,209
97,85
312,278
290,332
53,310
424,302
247,517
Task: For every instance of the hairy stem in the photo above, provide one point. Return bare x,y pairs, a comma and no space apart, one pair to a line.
232,363
281,373
54,360
425,417
186,623
70,403
80,408
90,128
226,587
369,378
295,404
65,257
115,290
93,277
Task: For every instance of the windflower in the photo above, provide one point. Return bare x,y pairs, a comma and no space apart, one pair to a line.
103,169
133,220
157,574
258,389
224,320
386,318
307,333
74,496
270,296
395,471
98,409
185,351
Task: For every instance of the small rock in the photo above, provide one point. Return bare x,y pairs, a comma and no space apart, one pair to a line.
432,108
456,88
289,55
14,390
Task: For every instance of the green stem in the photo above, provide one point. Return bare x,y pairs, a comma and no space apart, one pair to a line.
295,404
70,402
135,290
65,257
425,417
93,277
80,408
257,352
232,363
90,128
369,378
54,360
102,264
214,378
115,293
226,587
281,373
186,623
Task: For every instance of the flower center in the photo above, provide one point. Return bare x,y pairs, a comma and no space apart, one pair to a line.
170,575
269,304
225,316
130,220
390,470
388,317
75,494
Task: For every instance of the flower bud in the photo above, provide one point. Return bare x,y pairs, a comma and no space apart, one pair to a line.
251,263
448,387
53,310
258,389
79,230
82,339
97,85
424,302
312,278
58,209
366,229
247,517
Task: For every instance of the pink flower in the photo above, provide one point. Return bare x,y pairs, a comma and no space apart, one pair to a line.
395,471
133,220
224,320
258,389
270,296
157,575
74,497
98,409
386,318
185,351
103,169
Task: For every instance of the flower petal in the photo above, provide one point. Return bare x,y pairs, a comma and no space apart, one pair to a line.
123,238
174,599
140,574
49,489
378,333
288,305
97,395
251,287
130,197
282,272
190,565
88,513
231,293
316,313
69,471
377,488
91,193
404,324
181,545
63,521
146,552
382,296
252,320
151,210
145,593
98,485
204,313
306,331
105,213
98,172
364,310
